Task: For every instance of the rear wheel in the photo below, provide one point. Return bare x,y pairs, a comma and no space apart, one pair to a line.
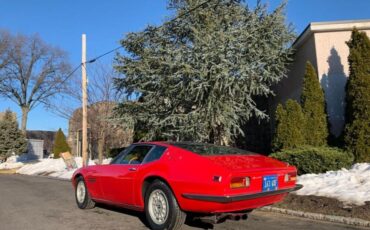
161,208
83,198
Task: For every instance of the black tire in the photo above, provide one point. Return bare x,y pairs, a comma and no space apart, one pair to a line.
175,217
86,202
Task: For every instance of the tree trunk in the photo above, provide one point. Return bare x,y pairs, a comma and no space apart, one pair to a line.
220,137
25,111
224,140
101,145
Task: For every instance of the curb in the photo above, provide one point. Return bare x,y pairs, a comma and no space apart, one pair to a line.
41,176
8,171
52,178
315,216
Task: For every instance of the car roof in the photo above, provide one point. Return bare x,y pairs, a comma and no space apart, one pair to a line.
194,147
169,143
162,143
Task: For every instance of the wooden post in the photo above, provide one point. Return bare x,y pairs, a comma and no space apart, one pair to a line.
84,104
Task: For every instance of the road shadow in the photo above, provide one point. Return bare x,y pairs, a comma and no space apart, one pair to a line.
125,211
196,223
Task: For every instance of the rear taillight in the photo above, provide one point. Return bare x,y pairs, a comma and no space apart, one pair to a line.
290,177
240,182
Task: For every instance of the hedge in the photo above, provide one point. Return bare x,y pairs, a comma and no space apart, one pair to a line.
310,159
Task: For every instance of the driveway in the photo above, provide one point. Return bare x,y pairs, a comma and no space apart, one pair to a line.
28,202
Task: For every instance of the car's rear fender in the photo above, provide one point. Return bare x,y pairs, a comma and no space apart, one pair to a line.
179,177
191,173
145,184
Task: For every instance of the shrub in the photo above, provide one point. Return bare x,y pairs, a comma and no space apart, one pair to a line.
357,131
12,140
60,144
310,159
290,123
313,107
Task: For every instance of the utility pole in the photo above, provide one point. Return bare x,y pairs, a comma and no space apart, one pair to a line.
84,104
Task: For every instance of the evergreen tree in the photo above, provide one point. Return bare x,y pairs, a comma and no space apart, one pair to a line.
60,144
12,139
289,126
198,75
313,106
357,130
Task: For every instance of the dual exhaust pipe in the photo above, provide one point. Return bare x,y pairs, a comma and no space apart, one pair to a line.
220,218
237,216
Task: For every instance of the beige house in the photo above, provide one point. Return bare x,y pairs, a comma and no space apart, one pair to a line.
104,133
324,45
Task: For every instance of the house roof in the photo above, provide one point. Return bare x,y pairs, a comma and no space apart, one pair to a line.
317,27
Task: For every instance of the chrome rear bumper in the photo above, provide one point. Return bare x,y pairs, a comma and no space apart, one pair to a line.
234,198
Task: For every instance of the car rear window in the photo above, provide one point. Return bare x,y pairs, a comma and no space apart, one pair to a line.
155,154
209,149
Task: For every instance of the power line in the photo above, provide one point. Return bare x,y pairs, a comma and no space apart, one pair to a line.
102,55
71,73
172,20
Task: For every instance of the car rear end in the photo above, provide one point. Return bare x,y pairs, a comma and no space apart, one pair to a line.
253,181
247,181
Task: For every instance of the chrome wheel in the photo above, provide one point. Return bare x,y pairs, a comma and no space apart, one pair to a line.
81,192
158,206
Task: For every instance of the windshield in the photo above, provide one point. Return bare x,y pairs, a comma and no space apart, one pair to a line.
209,149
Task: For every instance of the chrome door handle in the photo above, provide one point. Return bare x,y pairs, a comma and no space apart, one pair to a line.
132,169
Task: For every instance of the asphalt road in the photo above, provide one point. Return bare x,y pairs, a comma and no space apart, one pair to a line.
28,202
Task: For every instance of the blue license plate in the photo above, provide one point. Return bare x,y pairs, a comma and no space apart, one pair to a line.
270,183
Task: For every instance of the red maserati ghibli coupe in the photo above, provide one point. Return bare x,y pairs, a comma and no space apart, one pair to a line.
168,180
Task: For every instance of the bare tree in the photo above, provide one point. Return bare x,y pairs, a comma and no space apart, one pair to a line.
100,89
4,45
33,72
105,131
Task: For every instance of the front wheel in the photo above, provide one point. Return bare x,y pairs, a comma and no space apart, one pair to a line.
161,208
83,198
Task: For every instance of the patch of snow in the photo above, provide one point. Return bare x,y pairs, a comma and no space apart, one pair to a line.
12,159
52,167
107,161
12,162
11,165
48,167
352,186
44,166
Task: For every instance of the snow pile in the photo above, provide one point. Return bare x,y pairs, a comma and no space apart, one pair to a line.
11,163
46,167
349,186
53,167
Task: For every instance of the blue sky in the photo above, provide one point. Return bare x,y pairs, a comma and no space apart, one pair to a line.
61,23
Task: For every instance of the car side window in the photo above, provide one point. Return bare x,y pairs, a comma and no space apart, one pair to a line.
136,155
155,154
119,157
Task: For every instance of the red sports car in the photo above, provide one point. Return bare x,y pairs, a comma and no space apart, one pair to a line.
168,180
